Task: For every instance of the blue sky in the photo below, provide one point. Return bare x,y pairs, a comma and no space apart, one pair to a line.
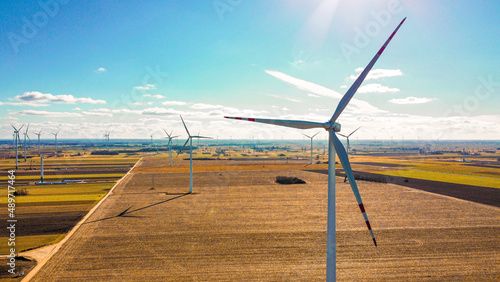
86,67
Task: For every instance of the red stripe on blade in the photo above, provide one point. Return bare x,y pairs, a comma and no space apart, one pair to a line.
238,118
251,119
368,224
361,207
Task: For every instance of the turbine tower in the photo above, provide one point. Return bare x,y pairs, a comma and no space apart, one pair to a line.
55,137
311,137
38,134
332,126
26,135
347,136
106,137
17,140
170,137
190,140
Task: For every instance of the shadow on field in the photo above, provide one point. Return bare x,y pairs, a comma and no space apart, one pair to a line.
127,211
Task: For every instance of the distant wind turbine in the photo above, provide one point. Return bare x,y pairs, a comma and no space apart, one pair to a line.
170,137
55,136
17,140
25,144
190,140
347,137
311,137
332,126
38,134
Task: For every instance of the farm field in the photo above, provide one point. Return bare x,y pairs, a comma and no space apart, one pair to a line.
241,225
48,212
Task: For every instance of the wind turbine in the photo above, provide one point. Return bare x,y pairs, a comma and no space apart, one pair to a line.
106,137
38,134
55,136
347,136
26,135
311,137
170,137
190,140
332,126
17,140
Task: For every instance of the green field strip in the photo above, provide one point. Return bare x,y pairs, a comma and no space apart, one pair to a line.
444,177
57,198
24,243
64,176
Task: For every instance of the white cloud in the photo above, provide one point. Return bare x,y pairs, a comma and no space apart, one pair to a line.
100,70
343,86
284,98
143,103
411,100
173,103
377,73
48,114
37,97
24,104
313,95
97,114
77,109
376,88
355,106
202,106
146,87
158,96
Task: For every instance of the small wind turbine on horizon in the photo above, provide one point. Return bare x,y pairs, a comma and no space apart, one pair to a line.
332,126
170,137
17,140
55,137
311,137
38,134
190,140
25,144
106,137
347,137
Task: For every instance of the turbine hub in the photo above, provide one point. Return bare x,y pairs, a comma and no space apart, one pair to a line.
335,126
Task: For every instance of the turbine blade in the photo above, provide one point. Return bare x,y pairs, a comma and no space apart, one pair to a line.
354,131
306,135
348,95
339,148
315,134
13,127
204,137
287,123
186,142
185,126
342,135
166,133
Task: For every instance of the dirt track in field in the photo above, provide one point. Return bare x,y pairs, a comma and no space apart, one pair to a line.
240,226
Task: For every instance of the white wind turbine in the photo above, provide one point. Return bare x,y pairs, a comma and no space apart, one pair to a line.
106,137
17,140
25,145
332,126
190,140
311,137
347,137
55,137
170,137
38,134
